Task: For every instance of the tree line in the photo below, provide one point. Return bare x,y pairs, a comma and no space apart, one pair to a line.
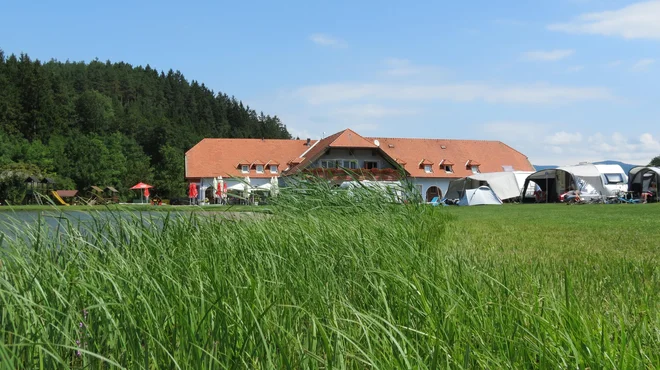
111,124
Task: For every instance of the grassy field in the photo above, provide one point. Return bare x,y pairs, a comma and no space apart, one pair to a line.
341,284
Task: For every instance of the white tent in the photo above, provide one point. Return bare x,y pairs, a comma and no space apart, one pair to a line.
480,196
264,187
506,185
237,187
586,178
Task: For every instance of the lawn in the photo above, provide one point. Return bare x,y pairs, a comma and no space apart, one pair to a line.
328,283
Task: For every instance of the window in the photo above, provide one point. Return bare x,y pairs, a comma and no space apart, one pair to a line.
245,168
273,168
613,178
327,164
448,169
475,169
350,164
428,168
260,168
370,165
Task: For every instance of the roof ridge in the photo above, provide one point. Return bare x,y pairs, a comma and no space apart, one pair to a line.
432,139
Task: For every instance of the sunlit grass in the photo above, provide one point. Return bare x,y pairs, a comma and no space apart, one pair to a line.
337,280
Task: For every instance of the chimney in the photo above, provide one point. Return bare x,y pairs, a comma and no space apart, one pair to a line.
308,141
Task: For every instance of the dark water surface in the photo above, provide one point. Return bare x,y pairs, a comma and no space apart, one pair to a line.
24,224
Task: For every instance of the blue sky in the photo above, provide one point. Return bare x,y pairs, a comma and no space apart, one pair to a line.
562,81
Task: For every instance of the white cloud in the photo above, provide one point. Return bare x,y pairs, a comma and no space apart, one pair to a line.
598,147
649,143
511,130
556,149
564,138
643,64
327,40
547,56
461,92
637,21
614,63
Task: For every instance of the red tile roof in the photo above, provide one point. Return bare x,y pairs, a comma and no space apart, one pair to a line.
343,139
350,139
219,157
491,154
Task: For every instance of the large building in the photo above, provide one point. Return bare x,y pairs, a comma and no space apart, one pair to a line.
430,164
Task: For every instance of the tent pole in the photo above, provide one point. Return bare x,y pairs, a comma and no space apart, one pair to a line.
546,187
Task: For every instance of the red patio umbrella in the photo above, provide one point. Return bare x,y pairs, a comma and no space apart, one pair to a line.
192,190
140,186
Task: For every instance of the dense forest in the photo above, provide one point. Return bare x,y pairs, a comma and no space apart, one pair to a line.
110,124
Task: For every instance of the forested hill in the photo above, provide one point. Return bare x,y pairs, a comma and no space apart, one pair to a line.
112,123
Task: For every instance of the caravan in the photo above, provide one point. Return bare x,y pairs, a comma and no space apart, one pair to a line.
614,178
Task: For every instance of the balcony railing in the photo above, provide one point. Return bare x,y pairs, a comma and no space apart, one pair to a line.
345,174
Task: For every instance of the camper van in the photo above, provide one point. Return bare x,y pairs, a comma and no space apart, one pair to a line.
614,178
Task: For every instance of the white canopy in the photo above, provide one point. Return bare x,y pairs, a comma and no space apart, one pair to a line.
237,187
506,185
586,178
482,195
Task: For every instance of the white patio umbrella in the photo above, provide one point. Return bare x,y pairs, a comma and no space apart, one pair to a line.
246,187
214,185
274,188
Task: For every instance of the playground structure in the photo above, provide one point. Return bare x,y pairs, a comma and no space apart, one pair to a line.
102,196
60,195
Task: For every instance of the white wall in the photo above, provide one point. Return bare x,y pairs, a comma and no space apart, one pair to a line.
426,183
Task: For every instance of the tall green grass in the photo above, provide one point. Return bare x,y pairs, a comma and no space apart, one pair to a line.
331,279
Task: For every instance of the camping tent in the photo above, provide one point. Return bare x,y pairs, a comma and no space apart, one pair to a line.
586,178
479,196
639,178
506,185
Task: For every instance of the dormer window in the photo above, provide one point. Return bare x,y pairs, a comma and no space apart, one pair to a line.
245,168
426,165
473,166
447,165
260,168
273,168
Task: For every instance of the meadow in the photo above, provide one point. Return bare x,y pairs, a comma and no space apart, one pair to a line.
348,282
